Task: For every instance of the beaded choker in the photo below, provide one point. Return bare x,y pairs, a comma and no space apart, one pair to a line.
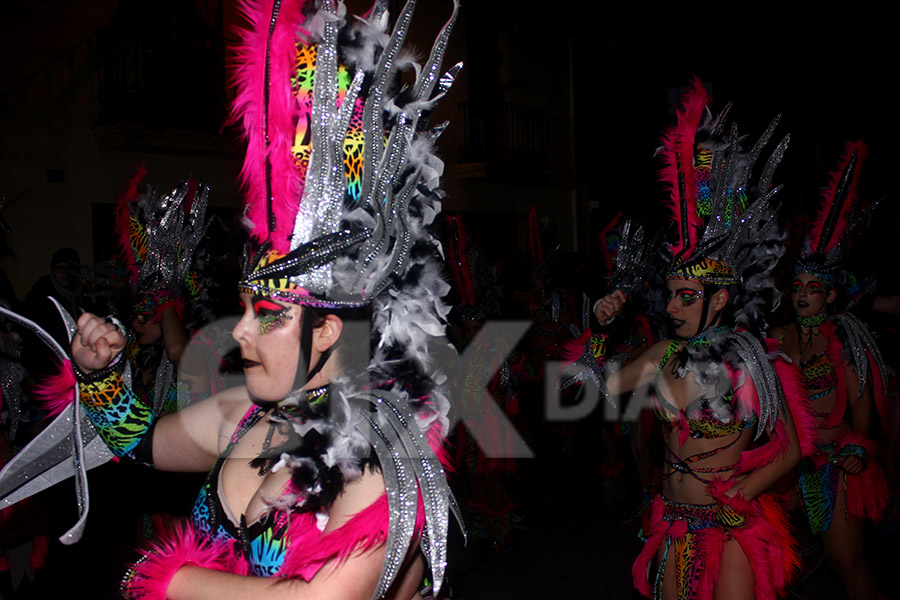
813,321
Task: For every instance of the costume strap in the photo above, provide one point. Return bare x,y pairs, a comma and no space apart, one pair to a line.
671,349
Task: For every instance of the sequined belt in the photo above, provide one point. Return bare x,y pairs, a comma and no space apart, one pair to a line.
697,516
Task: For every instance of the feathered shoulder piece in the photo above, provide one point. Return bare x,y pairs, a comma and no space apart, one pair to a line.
720,206
840,216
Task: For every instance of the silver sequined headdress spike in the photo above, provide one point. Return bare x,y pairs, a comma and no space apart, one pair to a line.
361,158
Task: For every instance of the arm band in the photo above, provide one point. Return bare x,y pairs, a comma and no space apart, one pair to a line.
122,419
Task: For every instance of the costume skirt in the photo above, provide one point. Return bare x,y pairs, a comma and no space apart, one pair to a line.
689,541
819,478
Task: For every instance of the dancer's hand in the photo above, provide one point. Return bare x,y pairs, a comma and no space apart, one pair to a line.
97,343
609,307
851,465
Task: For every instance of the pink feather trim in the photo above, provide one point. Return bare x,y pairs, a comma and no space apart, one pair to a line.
311,549
58,391
654,531
835,351
830,193
765,540
677,155
283,113
122,218
796,399
571,349
180,546
796,396
867,492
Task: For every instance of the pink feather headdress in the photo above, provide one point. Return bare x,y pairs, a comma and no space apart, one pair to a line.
839,217
720,206
680,165
271,115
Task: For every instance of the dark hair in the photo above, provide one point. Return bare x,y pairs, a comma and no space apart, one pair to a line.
65,255
353,361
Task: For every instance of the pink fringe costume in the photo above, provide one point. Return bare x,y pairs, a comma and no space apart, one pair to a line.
727,240
842,214
694,536
819,478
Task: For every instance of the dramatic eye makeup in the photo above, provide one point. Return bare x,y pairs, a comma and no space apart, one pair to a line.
270,315
813,287
687,296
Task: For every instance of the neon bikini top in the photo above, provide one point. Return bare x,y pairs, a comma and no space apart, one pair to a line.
819,372
704,417
262,544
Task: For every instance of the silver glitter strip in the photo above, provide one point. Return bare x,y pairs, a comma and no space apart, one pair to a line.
858,338
314,253
765,179
586,368
82,495
165,374
321,208
402,242
437,498
585,312
402,495
68,321
45,337
191,233
52,456
298,299
631,260
172,236
373,125
429,76
755,359
755,152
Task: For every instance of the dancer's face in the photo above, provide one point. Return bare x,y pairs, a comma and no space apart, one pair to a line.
269,336
147,331
810,295
685,306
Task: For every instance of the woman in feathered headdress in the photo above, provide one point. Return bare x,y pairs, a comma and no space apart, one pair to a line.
714,530
842,484
159,239
325,469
